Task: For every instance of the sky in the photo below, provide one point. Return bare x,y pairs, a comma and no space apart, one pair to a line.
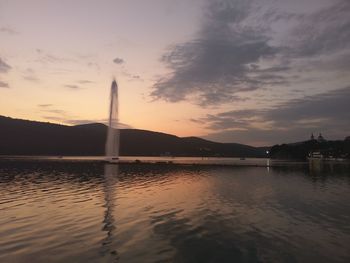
258,72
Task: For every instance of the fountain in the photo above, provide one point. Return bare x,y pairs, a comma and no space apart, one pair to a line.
112,141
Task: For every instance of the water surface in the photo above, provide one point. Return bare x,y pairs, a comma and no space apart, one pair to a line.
80,212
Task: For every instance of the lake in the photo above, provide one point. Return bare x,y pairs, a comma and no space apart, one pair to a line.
94,212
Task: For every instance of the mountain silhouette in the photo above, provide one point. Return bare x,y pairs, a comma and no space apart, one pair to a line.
24,137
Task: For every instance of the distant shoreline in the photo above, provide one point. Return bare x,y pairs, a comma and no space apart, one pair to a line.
168,161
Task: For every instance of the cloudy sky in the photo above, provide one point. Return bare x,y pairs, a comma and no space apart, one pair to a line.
258,72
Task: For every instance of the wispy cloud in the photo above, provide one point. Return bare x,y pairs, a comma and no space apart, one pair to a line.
4,84
4,67
138,77
72,121
51,113
56,111
84,81
94,65
131,76
8,30
31,78
72,86
45,57
53,118
45,105
89,121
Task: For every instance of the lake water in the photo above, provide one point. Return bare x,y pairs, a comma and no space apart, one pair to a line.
92,212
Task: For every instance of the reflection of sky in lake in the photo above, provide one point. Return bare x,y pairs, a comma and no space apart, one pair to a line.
88,212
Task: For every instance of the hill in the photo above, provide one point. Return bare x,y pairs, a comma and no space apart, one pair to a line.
24,137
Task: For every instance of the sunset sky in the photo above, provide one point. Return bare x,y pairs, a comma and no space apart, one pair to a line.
258,72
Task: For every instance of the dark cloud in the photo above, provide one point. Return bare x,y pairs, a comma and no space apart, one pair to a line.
324,31
237,50
4,84
221,61
216,65
328,113
332,106
4,67
72,86
45,105
118,61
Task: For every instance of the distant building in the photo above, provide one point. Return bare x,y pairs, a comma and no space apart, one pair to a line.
312,138
347,138
320,138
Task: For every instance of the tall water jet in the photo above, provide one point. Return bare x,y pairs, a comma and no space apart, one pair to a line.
112,141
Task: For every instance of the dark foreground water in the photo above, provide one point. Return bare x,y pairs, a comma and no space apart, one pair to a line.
60,212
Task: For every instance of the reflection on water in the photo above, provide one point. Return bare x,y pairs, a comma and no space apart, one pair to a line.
59,212
110,179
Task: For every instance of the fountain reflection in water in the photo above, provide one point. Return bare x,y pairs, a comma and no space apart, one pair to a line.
108,246
112,141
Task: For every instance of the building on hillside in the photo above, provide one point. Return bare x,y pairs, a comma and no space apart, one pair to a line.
320,138
312,137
